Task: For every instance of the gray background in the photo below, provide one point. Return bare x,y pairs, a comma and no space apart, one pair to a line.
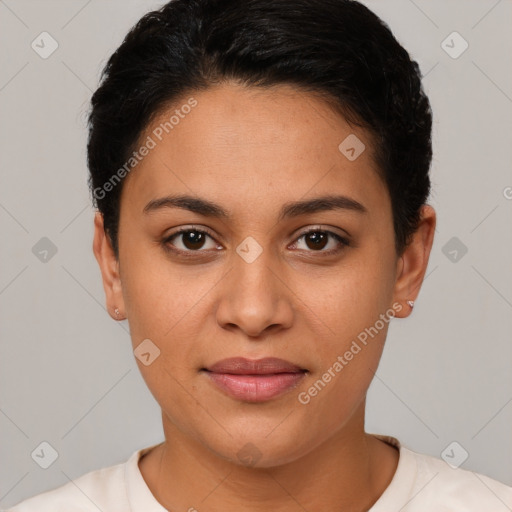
68,375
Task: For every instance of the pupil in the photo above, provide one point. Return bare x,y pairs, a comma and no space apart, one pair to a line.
193,240
318,239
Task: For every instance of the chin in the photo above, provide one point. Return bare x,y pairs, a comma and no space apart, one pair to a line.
254,449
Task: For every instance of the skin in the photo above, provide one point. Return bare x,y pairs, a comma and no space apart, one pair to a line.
251,151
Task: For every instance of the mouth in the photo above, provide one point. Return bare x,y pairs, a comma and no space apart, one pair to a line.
254,380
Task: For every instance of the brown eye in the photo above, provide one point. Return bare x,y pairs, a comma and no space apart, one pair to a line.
321,241
316,240
191,240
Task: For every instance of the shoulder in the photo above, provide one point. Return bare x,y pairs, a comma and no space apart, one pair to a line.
101,489
459,489
423,483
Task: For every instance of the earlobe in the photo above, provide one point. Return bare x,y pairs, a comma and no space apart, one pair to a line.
109,267
412,264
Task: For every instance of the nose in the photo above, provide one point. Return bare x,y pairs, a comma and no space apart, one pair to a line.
255,298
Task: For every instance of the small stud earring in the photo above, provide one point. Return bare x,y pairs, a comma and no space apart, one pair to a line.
410,303
116,311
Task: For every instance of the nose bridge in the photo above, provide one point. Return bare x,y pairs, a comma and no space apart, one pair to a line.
256,275
253,273
253,297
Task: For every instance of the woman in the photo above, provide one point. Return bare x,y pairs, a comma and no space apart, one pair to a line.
261,172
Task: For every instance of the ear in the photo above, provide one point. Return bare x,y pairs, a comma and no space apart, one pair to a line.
412,264
109,266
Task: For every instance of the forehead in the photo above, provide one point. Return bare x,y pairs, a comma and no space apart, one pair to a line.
249,147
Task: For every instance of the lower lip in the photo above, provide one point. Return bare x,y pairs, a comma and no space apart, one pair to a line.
255,388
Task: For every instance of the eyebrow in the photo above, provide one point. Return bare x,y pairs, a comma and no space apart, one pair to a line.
289,210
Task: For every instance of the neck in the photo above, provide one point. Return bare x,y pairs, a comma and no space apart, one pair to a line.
349,471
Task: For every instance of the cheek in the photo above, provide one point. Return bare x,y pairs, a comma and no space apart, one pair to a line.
164,306
348,360
160,297
353,312
350,299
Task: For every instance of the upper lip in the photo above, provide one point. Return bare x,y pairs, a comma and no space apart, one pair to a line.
264,366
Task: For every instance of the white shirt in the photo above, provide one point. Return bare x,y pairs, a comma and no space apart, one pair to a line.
421,483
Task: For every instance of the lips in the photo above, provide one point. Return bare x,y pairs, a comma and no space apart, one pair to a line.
254,380
265,366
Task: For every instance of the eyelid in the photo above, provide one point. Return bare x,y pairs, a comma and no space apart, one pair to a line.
186,229
343,240
324,229
193,227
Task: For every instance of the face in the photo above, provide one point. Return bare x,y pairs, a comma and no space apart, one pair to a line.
287,252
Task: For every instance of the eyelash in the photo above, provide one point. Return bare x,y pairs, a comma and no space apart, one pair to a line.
344,242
